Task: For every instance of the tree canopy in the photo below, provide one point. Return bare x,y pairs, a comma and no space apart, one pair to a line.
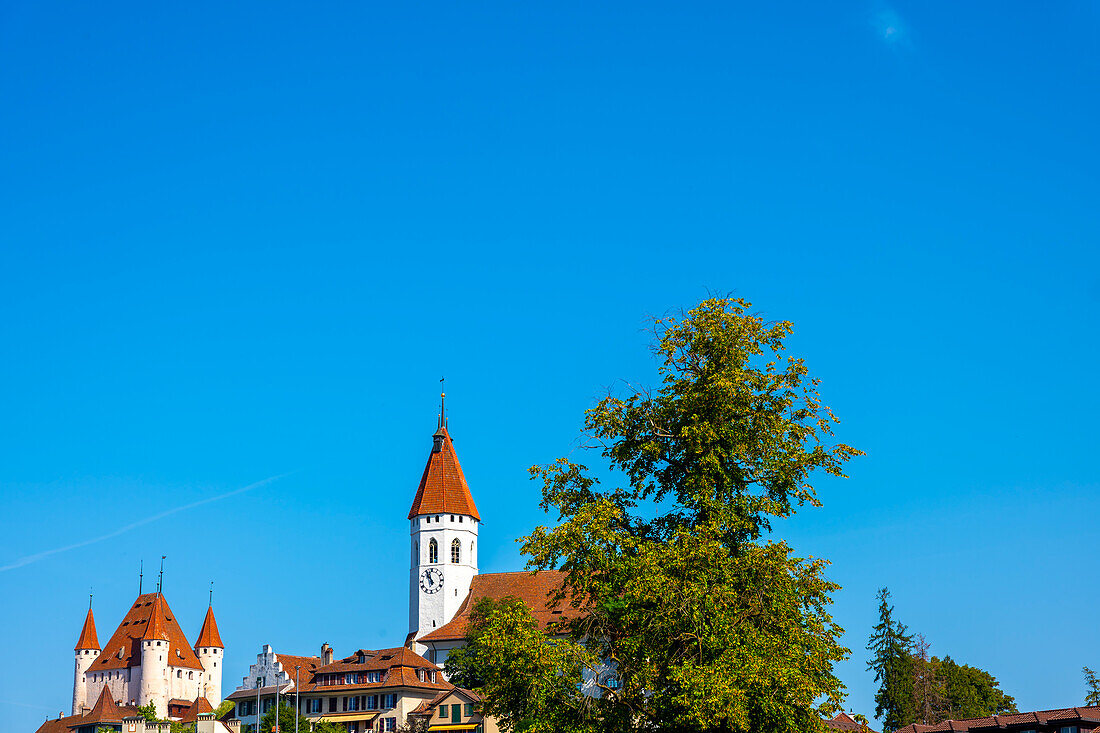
1092,687
684,617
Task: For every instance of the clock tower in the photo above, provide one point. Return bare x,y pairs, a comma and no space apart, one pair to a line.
443,524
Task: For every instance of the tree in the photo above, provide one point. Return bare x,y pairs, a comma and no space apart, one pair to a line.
1092,687
286,720
226,707
683,618
149,712
892,662
928,696
970,692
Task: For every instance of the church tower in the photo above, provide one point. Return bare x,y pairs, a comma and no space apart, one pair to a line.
87,651
443,538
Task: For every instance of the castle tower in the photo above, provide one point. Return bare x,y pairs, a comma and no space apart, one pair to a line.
210,651
443,538
154,660
87,650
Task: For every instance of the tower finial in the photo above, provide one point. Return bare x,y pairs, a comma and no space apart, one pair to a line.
89,598
442,404
211,604
160,578
141,574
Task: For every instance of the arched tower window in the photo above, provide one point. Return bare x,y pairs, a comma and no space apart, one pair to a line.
456,552
473,557
416,552
433,551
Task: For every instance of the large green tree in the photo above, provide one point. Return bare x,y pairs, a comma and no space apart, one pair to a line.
892,661
969,692
684,617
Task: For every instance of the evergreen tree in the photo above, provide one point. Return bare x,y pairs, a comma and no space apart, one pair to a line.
891,648
970,692
1092,687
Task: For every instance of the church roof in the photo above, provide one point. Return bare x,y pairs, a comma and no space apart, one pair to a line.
208,634
443,488
88,639
149,618
533,588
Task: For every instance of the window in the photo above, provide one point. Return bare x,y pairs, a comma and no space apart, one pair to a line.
179,673
391,723
351,678
443,711
332,704
460,519
456,713
468,709
416,552
456,553
452,517
1069,729
433,551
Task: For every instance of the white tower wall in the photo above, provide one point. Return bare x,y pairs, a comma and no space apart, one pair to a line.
84,659
211,658
429,611
154,675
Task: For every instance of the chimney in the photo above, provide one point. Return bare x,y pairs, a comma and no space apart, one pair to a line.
326,654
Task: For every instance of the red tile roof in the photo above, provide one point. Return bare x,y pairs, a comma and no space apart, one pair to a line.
105,710
533,588
149,617
443,488
399,664
199,706
88,639
290,661
845,722
208,634
1038,717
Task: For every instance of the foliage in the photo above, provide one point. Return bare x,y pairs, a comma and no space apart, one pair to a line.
892,662
226,706
682,618
149,712
1092,687
969,692
286,720
177,727
104,729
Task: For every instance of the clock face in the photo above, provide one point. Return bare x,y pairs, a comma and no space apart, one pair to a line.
431,580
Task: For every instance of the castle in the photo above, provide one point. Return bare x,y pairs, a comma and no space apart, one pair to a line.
149,660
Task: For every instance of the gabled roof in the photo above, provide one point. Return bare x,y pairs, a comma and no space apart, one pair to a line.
845,722
208,634
88,639
443,488
533,588
199,706
149,617
425,708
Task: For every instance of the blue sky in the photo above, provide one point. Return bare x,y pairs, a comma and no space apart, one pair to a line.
242,242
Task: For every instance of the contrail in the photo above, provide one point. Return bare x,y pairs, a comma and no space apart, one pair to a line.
134,525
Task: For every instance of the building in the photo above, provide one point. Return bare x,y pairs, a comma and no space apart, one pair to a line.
443,581
1063,720
108,714
370,690
149,660
271,672
455,709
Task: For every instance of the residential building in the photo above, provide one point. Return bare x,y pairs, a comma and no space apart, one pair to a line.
370,690
149,660
271,672
455,709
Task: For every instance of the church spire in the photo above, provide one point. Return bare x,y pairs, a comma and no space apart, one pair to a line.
443,487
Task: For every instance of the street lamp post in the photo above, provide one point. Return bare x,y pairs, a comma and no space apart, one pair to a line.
297,703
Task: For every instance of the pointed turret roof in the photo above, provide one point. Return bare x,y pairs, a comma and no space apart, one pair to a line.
88,639
157,627
105,710
443,488
208,634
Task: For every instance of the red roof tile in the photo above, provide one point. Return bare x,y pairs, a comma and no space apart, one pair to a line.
443,488
105,710
208,634
88,639
1091,714
149,617
199,706
533,588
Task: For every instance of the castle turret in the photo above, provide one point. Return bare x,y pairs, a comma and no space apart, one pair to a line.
443,528
154,660
211,651
87,651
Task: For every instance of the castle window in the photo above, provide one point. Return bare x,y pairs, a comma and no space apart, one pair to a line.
460,519
452,517
456,552
179,673
433,551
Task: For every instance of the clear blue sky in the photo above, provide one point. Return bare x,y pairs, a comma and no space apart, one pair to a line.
243,240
